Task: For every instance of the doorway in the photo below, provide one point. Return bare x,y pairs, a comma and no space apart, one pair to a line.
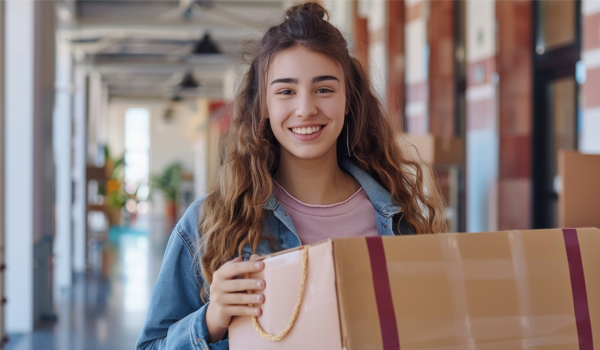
557,38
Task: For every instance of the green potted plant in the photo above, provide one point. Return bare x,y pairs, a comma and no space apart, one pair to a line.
169,182
113,188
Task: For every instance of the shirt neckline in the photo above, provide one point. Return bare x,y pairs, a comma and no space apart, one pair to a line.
317,205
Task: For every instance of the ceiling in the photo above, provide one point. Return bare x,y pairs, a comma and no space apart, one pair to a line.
143,48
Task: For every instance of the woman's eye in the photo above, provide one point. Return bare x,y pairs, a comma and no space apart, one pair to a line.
285,92
323,91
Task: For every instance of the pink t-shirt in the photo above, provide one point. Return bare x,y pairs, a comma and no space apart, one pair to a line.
354,217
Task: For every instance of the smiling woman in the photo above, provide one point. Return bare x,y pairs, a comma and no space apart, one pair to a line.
310,155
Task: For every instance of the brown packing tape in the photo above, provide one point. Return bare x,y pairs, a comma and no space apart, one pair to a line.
589,243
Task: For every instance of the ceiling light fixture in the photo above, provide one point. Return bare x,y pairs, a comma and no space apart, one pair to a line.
206,50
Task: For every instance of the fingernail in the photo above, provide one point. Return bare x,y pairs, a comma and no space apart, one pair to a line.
259,284
257,265
257,312
258,298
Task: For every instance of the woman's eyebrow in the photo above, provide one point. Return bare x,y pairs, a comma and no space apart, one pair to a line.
318,79
321,78
285,81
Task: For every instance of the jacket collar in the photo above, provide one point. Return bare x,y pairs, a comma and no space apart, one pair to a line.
379,196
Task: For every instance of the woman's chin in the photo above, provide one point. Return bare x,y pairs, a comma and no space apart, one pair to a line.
312,154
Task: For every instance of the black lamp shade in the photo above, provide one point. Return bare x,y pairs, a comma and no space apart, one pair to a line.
206,47
188,82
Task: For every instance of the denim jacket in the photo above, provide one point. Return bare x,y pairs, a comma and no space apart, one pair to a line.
176,317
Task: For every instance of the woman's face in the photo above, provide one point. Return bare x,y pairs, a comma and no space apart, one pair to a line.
306,102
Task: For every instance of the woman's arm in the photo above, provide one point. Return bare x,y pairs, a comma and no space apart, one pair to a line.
176,316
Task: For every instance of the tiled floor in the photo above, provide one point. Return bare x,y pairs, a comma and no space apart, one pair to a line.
105,314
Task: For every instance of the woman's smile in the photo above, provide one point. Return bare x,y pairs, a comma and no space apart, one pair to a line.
307,133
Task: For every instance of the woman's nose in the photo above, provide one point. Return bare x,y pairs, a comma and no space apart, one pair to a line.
306,106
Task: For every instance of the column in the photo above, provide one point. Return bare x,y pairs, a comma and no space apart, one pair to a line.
515,113
79,144
395,57
589,127
482,131
29,175
361,34
3,337
18,82
63,252
441,68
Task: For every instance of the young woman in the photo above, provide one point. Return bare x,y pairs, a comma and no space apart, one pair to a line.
310,155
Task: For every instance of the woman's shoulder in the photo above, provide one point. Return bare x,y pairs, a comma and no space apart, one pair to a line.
187,226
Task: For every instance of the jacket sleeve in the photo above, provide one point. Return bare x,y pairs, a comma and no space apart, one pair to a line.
176,317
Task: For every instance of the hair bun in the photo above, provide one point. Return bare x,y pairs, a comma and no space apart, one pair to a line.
307,9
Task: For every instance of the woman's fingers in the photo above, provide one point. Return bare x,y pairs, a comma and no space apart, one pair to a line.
241,285
254,257
242,299
234,268
242,311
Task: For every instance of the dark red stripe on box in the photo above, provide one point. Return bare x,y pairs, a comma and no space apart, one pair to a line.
580,301
383,294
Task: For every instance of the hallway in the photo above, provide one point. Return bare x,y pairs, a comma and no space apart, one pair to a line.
105,314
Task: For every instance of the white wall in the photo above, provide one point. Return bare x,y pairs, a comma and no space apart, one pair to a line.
341,15
481,29
590,117
172,142
169,142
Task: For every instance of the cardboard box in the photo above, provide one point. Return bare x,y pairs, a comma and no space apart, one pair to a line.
434,150
579,197
537,289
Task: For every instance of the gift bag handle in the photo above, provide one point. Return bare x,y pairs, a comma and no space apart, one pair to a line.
284,332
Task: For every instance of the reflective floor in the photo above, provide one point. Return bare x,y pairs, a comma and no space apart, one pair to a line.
106,308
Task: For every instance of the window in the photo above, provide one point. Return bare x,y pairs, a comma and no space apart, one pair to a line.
137,151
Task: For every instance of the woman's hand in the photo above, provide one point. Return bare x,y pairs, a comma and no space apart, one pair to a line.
229,295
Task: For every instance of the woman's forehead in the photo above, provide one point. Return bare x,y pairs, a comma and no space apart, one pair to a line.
301,63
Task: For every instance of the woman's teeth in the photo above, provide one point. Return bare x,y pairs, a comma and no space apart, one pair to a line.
306,131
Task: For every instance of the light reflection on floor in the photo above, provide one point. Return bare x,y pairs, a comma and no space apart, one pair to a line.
106,313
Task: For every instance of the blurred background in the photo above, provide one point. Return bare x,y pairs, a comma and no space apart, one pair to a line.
112,110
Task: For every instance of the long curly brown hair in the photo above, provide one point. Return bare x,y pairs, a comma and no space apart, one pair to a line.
232,214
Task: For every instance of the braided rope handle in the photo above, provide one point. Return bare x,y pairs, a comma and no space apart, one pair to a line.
284,332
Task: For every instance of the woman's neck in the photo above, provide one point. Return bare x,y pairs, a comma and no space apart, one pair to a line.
316,181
